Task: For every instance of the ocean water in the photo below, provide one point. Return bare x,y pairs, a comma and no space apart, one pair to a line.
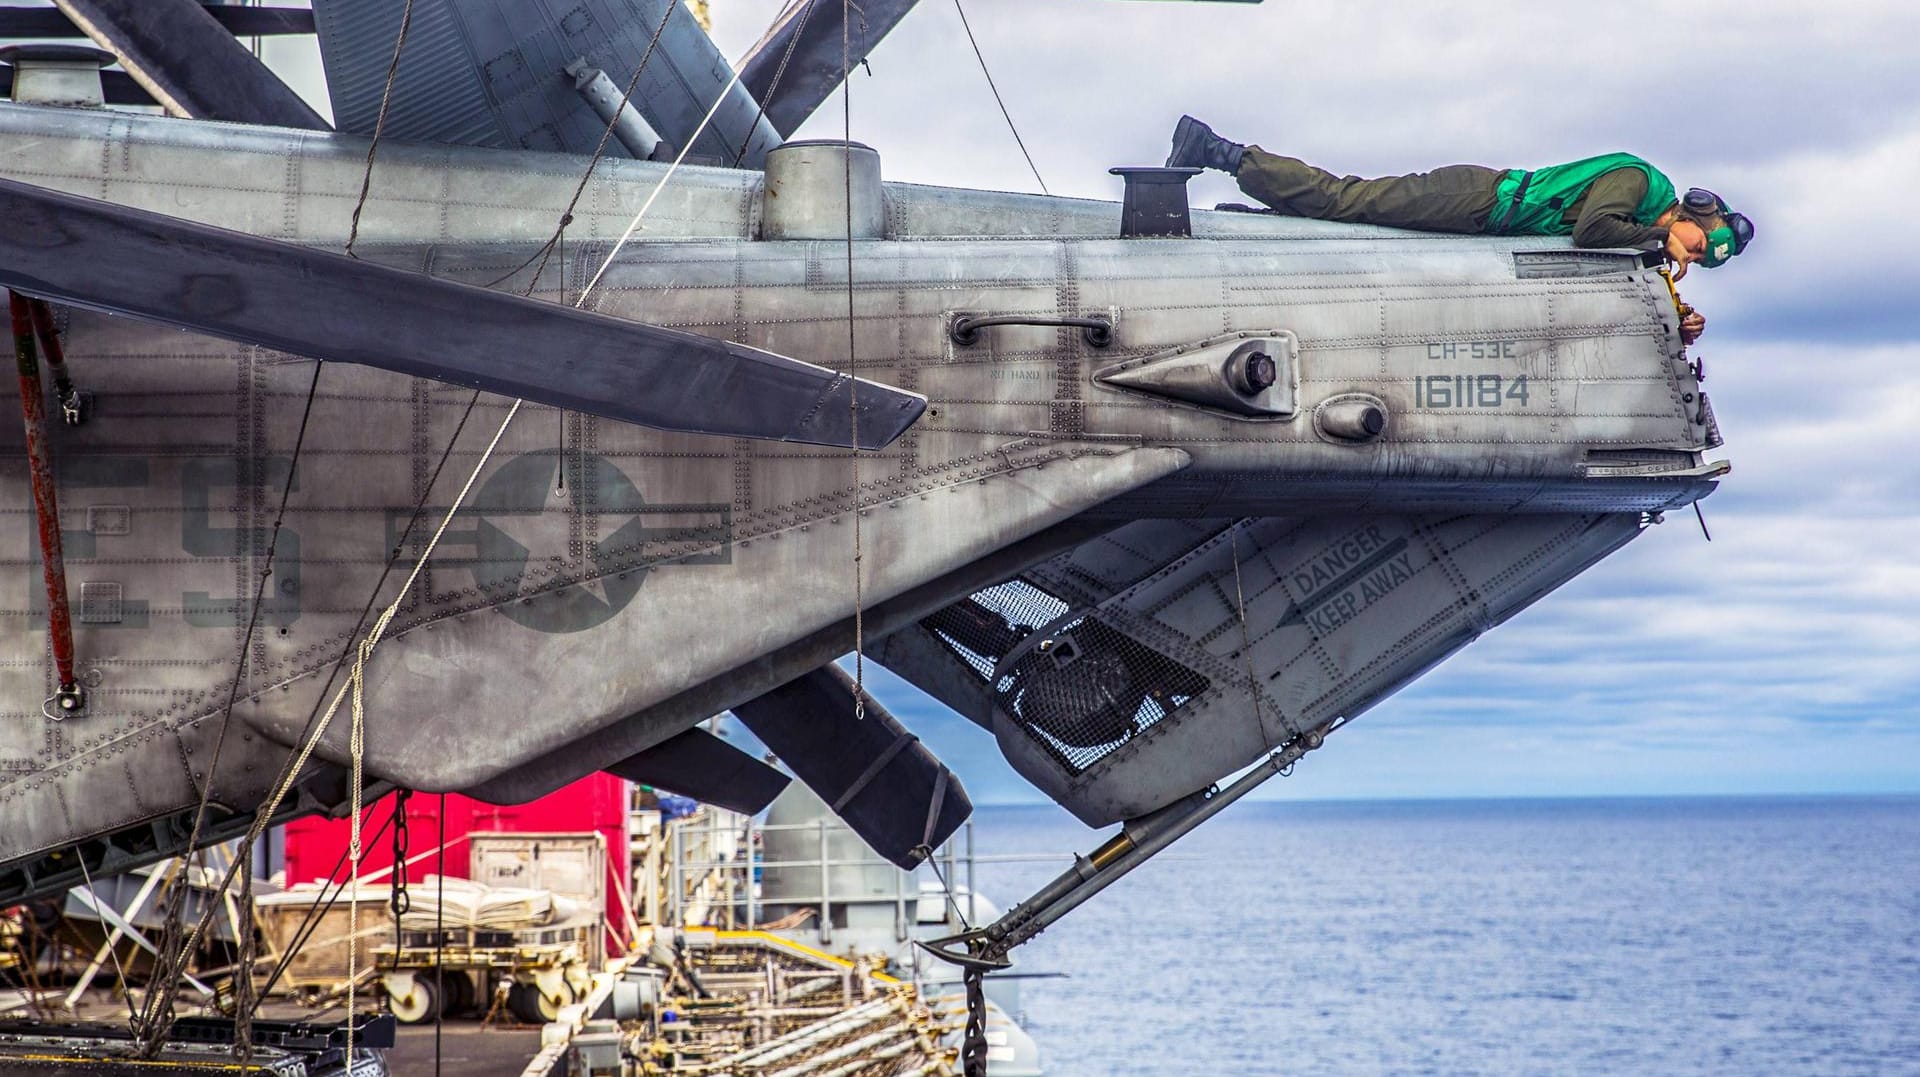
1765,936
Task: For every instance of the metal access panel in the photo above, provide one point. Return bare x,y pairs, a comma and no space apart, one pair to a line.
1122,678
572,866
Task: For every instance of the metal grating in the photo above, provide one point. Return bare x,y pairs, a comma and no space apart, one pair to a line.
1669,459
1089,688
1542,265
984,627
1083,689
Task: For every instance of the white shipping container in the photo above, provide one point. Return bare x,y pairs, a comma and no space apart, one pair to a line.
572,866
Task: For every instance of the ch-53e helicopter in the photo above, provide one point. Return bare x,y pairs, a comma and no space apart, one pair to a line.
1152,495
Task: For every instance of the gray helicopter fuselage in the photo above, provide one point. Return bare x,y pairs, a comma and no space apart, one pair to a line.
607,585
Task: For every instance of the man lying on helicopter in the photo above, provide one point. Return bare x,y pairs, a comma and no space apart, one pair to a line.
1614,200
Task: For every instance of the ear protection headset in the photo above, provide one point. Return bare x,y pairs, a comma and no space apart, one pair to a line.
1730,238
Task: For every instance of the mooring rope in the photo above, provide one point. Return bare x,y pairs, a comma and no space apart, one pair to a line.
159,1013
634,224
379,126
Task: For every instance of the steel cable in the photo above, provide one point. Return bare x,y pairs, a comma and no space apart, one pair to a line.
315,726
853,363
971,40
1246,641
113,950
773,86
156,1022
661,186
170,965
310,735
439,934
310,921
379,126
599,150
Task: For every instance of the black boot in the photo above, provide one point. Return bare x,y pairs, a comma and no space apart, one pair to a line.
1196,146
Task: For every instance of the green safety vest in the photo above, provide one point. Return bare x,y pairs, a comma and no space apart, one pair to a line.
1535,203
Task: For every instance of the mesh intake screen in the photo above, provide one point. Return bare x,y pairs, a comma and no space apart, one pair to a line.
1082,691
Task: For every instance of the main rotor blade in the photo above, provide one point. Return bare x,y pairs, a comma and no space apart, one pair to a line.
189,62
797,64
877,777
700,765
327,306
239,21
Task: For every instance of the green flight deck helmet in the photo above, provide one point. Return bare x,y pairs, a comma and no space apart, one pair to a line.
1725,241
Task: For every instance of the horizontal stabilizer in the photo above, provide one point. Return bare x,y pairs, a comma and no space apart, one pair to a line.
875,775
327,306
700,765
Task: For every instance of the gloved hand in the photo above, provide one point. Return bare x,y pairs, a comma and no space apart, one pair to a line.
1692,324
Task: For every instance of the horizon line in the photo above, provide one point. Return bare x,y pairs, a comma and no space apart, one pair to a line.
1909,794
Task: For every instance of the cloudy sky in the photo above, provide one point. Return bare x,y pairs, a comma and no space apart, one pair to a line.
1779,658
1785,655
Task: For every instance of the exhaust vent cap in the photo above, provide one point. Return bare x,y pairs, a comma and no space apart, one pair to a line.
1351,418
64,75
808,186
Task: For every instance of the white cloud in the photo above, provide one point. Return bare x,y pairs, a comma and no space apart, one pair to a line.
1781,655
1809,125
1374,84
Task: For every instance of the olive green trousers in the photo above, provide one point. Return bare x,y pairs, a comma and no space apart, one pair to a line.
1457,198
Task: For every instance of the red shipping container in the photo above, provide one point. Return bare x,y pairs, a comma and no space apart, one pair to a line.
316,846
